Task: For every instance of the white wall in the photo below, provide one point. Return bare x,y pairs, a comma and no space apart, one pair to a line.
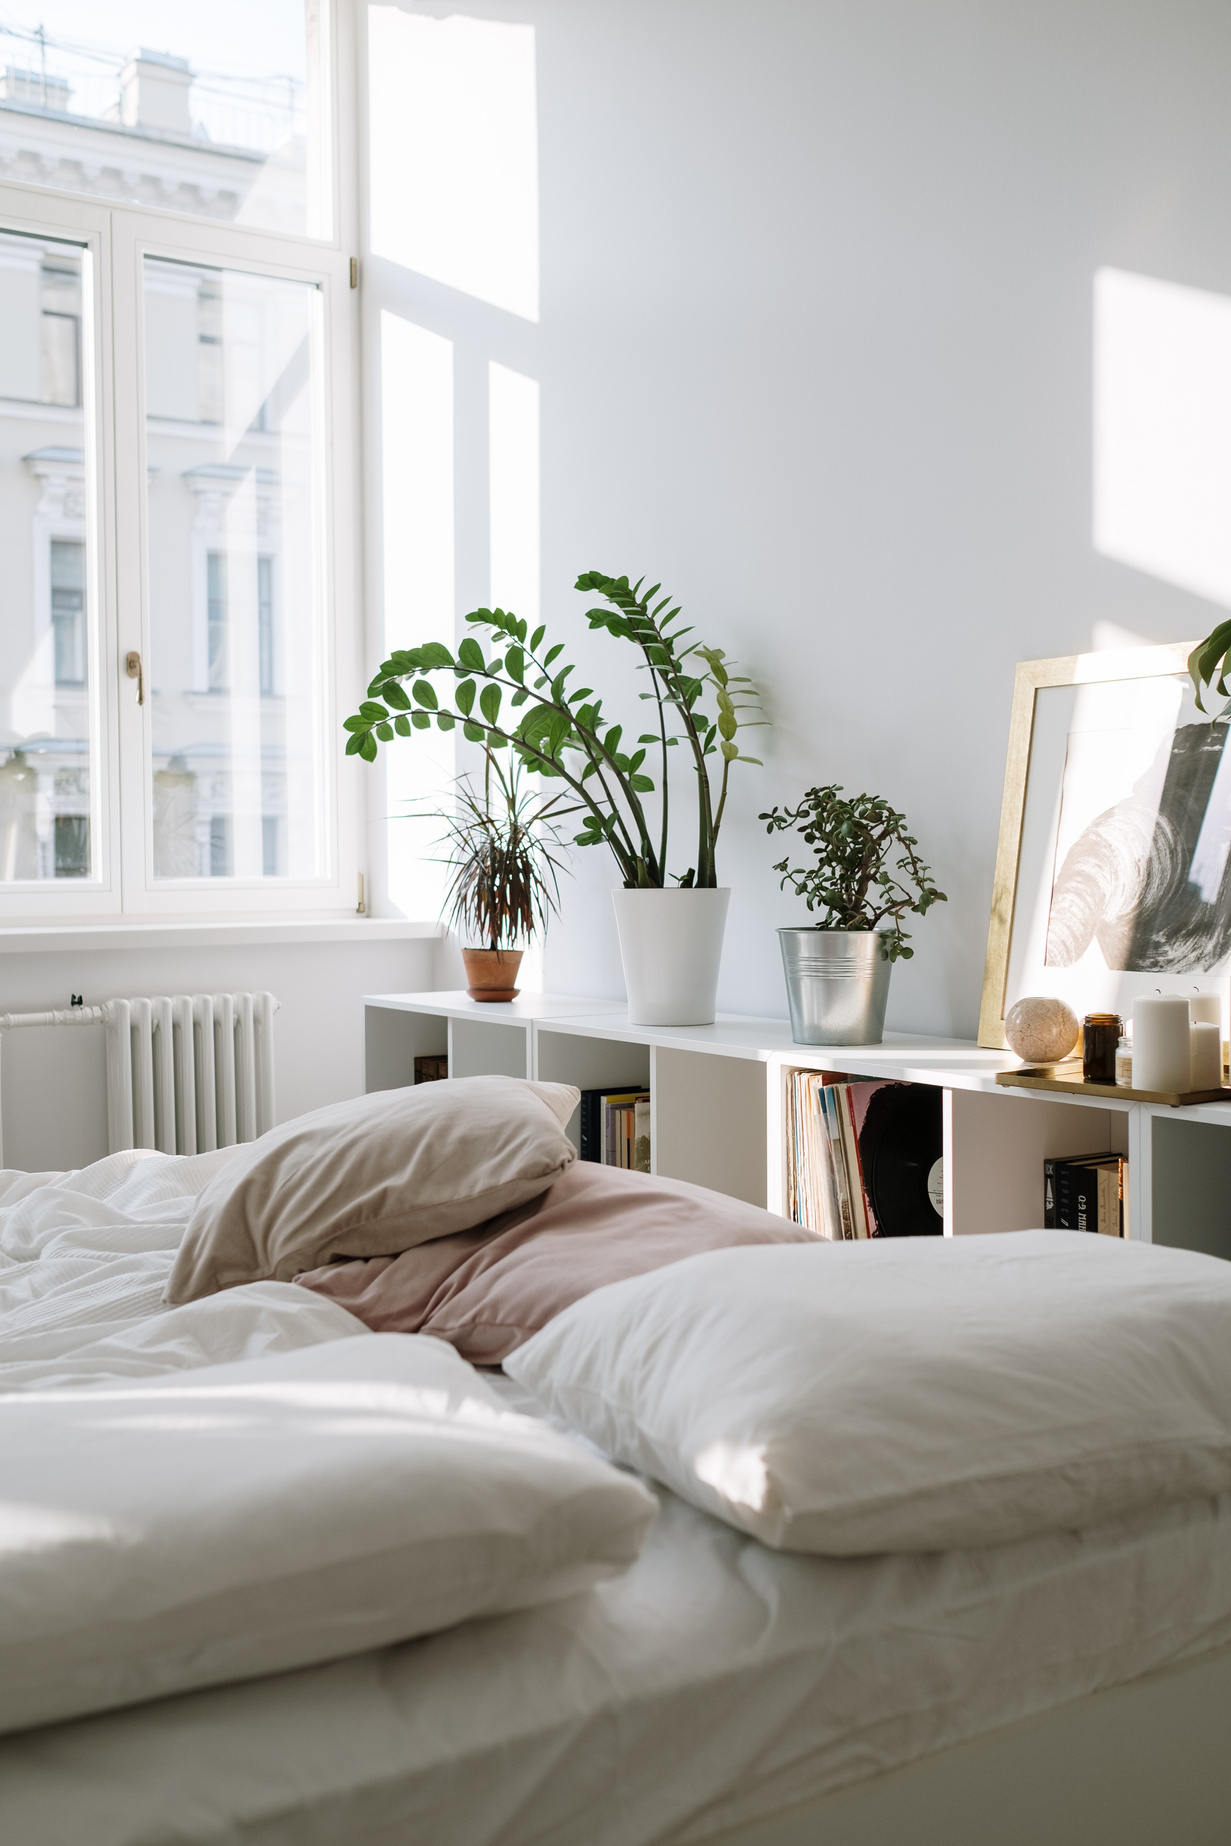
814,348
53,1080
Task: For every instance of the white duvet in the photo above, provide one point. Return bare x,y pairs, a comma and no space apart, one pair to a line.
714,1684
84,1260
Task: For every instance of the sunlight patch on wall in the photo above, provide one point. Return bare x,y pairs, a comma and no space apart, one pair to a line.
513,423
1162,430
417,504
454,153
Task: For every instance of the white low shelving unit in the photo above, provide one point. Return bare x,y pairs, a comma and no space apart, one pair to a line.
717,1105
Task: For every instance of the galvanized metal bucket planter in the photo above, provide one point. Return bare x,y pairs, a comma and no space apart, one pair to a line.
837,984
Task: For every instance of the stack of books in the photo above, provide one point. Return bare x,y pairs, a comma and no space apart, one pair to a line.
1086,1192
615,1127
825,1179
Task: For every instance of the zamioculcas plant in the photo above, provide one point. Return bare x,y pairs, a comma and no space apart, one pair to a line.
518,696
1212,656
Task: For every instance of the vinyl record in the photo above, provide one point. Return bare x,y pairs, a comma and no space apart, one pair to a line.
900,1147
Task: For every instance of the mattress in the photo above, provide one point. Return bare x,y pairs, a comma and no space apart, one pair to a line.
716,1683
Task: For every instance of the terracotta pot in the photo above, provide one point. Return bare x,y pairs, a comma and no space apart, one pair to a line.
491,974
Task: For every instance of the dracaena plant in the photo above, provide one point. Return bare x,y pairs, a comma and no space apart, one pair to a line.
518,696
868,873
502,844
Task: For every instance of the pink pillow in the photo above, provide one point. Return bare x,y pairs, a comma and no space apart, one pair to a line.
487,1290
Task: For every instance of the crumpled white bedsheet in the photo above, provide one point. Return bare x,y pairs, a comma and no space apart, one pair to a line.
714,1684
84,1260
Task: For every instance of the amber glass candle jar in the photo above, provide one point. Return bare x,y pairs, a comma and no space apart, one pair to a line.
1100,1034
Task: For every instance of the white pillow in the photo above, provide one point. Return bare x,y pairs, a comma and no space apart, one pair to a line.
907,1395
242,1519
374,1176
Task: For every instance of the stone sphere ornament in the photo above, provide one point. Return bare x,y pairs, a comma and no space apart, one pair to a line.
1039,1030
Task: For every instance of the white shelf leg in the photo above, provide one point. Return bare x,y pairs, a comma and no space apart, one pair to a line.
1141,1173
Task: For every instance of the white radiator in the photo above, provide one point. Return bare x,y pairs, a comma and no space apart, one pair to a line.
184,1075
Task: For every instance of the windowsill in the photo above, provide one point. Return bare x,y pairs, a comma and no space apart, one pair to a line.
42,938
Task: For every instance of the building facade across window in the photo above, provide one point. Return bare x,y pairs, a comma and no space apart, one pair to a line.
174,390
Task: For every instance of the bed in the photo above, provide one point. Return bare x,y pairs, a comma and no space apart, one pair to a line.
1068,1687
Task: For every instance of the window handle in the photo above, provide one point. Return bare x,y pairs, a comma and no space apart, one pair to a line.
134,670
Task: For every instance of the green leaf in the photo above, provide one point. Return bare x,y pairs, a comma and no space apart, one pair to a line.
515,664
444,721
385,733
730,751
367,748
394,695
425,694
354,745
551,653
355,724
463,698
537,636
435,654
421,720
641,785
471,655
370,709
727,724
401,725
473,733
489,703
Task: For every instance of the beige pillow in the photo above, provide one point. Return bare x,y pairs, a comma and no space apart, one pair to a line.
373,1177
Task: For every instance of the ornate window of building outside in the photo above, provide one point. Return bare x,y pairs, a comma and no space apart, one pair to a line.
177,356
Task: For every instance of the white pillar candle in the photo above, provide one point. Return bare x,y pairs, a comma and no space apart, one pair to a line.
1162,1050
1206,1046
1205,1009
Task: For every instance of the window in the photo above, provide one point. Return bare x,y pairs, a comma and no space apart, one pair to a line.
68,610
265,623
175,391
231,498
48,726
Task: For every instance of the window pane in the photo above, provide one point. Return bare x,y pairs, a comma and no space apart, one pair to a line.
236,601
45,709
218,112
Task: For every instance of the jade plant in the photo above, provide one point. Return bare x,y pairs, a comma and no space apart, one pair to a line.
856,881
517,695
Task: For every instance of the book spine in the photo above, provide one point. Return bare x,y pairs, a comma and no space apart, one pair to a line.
1050,1220
837,1160
864,1221
641,1132
589,1137
826,1215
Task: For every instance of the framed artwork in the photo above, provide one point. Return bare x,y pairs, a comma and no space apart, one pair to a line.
1112,875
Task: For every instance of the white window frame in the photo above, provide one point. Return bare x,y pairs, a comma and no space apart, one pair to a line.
118,239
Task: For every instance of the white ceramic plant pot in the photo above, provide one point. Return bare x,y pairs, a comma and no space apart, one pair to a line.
671,947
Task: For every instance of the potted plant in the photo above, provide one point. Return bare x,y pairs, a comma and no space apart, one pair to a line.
518,696
502,845
867,876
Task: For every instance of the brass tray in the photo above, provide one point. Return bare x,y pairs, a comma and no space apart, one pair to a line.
1066,1078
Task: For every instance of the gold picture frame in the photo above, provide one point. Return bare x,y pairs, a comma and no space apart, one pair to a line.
1031,678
